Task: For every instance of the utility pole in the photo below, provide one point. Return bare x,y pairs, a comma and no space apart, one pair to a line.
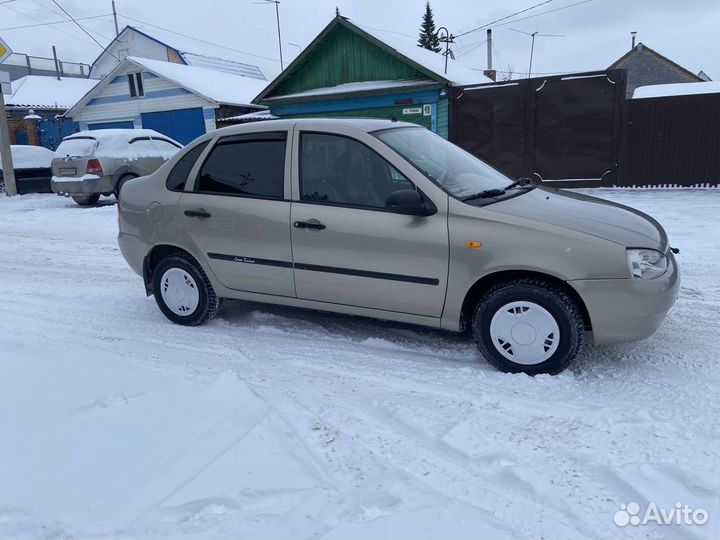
117,31
7,163
448,39
5,150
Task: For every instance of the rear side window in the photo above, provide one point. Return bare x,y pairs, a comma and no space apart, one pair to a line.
179,173
246,165
78,147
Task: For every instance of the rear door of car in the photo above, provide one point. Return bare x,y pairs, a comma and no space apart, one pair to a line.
237,212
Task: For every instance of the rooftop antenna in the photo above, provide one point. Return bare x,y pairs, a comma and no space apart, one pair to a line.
277,16
533,35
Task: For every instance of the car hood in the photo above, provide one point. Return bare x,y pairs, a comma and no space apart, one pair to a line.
585,214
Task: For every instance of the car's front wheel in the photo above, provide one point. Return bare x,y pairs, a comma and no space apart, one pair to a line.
528,326
86,200
183,291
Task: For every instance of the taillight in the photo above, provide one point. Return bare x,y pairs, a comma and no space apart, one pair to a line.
94,167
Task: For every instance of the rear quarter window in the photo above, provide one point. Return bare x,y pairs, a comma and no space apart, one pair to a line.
179,173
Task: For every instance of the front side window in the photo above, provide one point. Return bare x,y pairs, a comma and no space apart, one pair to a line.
179,173
452,168
340,170
135,83
246,165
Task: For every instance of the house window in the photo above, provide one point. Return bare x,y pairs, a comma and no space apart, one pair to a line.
135,82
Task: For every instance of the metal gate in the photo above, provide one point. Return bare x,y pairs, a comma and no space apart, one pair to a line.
562,130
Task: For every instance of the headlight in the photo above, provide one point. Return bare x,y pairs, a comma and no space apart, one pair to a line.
646,263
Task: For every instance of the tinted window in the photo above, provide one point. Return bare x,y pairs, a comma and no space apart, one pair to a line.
244,165
179,173
341,170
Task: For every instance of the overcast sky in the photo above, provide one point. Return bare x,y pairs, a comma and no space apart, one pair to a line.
596,32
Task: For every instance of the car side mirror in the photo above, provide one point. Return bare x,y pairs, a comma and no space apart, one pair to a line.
408,202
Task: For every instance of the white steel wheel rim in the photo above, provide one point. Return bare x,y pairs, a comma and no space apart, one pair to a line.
179,292
524,332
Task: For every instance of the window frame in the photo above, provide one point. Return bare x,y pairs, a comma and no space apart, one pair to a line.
302,132
136,85
205,145
258,136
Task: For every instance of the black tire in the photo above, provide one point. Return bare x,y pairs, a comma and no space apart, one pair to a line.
208,303
86,200
551,297
121,182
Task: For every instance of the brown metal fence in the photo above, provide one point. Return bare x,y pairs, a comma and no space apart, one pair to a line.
563,130
671,141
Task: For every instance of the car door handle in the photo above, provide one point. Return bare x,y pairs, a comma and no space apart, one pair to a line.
309,224
198,213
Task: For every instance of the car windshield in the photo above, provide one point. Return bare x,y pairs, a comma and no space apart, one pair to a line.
452,168
78,147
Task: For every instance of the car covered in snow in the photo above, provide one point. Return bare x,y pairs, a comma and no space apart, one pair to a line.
387,220
32,169
88,164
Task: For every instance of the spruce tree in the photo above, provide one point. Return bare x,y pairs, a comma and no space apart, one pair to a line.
428,38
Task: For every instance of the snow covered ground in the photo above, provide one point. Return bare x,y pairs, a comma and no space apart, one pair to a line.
274,422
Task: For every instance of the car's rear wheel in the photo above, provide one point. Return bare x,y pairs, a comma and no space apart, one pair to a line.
122,181
86,200
528,326
183,291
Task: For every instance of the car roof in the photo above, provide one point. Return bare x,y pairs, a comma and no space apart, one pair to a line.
128,134
362,124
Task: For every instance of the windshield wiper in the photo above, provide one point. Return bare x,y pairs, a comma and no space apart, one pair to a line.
484,194
526,183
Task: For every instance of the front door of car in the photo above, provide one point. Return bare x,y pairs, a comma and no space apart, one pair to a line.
238,213
347,247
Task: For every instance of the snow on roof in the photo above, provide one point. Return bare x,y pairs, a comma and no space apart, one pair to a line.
116,133
355,87
676,89
457,73
38,92
219,86
250,117
202,54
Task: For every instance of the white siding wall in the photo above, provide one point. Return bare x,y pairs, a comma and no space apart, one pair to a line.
131,109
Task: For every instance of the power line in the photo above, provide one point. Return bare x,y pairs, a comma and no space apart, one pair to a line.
80,26
543,13
50,23
504,18
39,21
200,40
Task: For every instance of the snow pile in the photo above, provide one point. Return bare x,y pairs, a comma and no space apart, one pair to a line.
676,89
38,92
272,422
30,157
